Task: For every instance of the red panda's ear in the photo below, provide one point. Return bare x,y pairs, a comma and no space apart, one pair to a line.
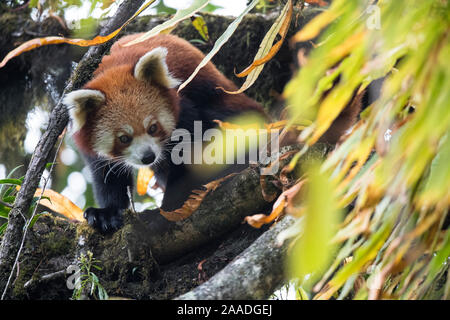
80,103
152,66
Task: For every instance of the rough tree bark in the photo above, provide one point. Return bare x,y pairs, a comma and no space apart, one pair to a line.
254,274
152,258
149,257
58,121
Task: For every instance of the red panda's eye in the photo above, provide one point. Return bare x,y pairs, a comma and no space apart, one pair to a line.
152,129
125,139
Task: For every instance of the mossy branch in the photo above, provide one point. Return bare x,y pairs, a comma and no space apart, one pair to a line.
59,118
254,274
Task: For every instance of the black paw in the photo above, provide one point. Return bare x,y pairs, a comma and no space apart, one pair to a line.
105,220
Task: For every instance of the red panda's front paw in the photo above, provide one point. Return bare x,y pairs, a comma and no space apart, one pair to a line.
105,220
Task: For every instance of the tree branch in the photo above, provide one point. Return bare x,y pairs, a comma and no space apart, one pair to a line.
58,121
222,210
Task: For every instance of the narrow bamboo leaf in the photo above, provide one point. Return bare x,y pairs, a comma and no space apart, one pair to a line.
16,182
3,227
181,14
266,51
313,28
364,254
220,42
440,259
33,221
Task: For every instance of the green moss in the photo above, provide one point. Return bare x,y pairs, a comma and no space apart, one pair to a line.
8,22
50,241
126,258
56,244
19,291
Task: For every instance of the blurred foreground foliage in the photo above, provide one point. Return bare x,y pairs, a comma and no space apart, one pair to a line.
393,169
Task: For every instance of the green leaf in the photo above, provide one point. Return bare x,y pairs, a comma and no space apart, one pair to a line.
35,218
440,259
161,8
49,165
8,192
4,211
102,294
16,182
33,3
3,227
9,199
313,251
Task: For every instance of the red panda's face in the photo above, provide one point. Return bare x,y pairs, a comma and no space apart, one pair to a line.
127,113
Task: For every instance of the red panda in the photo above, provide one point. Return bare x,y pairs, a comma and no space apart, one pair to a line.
125,115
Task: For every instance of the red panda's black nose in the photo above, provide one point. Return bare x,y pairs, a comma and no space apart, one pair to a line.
148,158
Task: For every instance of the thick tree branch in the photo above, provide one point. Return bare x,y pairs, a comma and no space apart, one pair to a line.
220,211
146,259
57,122
254,274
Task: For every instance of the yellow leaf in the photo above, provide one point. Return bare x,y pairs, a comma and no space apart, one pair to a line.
106,4
143,179
320,3
257,220
200,25
60,204
313,251
313,28
284,200
228,125
266,51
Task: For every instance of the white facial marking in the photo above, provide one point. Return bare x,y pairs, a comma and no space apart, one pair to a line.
166,120
147,121
127,129
104,142
139,146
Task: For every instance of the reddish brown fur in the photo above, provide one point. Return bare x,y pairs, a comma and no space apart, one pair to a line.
116,71
124,104
182,59
344,120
